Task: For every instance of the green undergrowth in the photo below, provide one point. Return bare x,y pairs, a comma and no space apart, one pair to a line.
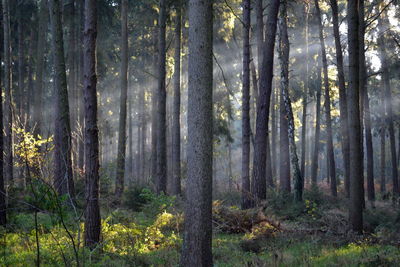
147,231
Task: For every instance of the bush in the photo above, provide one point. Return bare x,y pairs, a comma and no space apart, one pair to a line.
136,197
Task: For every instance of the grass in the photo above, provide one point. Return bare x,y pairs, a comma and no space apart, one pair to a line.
311,235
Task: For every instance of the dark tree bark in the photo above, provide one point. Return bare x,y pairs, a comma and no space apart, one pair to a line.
382,21
154,113
356,159
63,178
314,163
40,60
246,107
366,110
21,65
176,124
342,97
305,98
274,132
8,113
196,249
161,182
284,156
258,188
284,62
327,105
3,213
119,180
92,213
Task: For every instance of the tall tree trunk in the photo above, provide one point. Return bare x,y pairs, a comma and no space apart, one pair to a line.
3,207
176,124
258,188
63,178
92,213
327,105
40,60
196,249
162,97
356,159
284,161
21,66
246,129
342,97
382,21
315,156
130,139
284,62
154,112
305,94
274,133
8,112
119,180
366,109
79,82
383,155
29,99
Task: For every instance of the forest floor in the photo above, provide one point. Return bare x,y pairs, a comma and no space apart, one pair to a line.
147,232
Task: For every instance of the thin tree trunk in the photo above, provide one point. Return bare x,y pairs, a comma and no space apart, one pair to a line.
274,133
305,100
197,239
284,62
246,129
258,188
284,161
154,112
176,124
162,96
315,157
342,97
356,159
327,105
119,180
388,99
92,213
8,112
383,153
3,207
21,66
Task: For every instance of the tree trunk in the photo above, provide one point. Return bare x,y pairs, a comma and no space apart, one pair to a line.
196,249
366,109
176,124
119,180
258,188
382,21
40,60
356,159
383,155
8,112
342,97
246,106
284,62
327,105
161,182
284,161
274,134
315,157
3,207
305,94
63,178
154,113
21,66
92,213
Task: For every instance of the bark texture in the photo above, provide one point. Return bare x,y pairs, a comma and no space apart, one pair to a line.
284,62
314,163
92,212
258,188
196,249
246,107
121,152
342,97
176,124
327,105
356,172
63,178
161,181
